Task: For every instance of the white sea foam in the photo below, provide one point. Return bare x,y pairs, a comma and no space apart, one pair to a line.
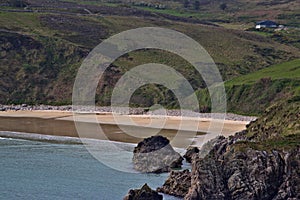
33,136
54,138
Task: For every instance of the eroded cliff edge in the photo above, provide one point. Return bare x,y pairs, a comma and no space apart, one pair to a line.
262,162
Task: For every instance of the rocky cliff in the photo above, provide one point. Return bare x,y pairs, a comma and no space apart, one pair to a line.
178,183
191,151
232,173
262,162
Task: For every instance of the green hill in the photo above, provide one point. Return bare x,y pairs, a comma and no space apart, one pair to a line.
286,70
229,11
254,92
43,46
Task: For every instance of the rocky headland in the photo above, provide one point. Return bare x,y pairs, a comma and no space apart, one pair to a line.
239,172
260,163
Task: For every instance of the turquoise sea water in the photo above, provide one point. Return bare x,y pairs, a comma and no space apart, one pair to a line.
41,170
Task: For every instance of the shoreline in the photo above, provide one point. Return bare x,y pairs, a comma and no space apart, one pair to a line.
123,111
61,123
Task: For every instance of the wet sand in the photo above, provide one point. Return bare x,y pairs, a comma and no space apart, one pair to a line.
137,127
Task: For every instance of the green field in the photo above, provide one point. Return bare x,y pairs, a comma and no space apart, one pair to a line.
286,70
252,93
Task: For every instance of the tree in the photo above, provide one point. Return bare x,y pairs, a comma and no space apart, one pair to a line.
197,5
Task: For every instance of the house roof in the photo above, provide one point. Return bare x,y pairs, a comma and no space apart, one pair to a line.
266,22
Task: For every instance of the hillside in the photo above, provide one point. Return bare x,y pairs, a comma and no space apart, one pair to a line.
238,11
254,92
41,51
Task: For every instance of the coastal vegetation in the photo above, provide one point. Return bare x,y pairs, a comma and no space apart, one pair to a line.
57,38
254,92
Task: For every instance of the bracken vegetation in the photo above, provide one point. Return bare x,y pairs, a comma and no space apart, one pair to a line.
42,51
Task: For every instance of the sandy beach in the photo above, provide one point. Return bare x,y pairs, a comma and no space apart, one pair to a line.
122,128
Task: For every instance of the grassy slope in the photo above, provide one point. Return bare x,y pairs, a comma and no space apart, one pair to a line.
239,14
238,11
277,85
254,92
235,52
287,70
278,127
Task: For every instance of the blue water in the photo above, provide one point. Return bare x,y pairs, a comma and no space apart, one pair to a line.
41,170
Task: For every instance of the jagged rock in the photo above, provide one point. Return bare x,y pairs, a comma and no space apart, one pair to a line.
145,193
207,147
177,184
189,153
259,163
228,172
155,154
290,187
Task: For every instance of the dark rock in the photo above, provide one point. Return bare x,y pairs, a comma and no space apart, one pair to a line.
290,187
207,147
231,173
177,184
145,193
189,153
155,154
259,163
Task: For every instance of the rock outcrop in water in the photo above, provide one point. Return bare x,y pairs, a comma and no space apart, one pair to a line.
145,193
155,154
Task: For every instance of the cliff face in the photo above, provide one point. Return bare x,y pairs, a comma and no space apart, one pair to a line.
260,163
230,173
178,183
